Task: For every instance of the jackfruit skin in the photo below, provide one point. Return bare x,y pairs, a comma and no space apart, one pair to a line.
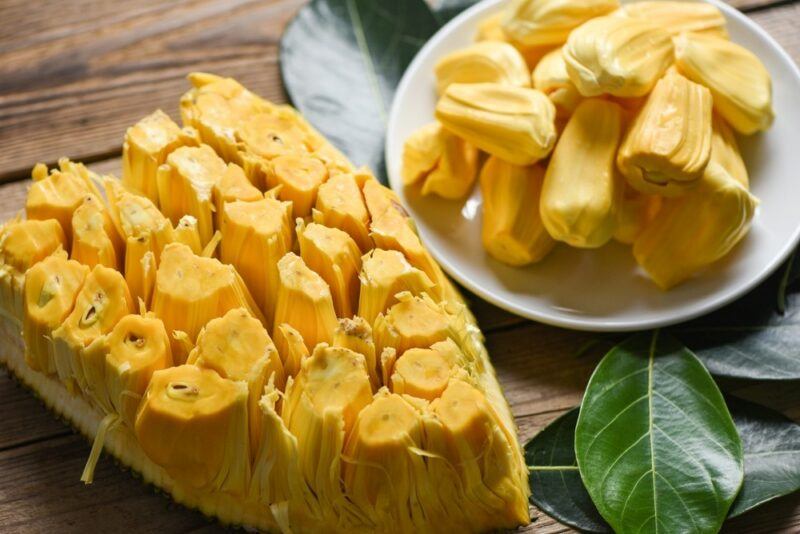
278,463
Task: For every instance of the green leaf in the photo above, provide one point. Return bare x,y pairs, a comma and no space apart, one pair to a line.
752,338
341,61
771,444
655,444
556,486
444,10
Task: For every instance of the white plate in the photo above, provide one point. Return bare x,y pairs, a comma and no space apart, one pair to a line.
603,289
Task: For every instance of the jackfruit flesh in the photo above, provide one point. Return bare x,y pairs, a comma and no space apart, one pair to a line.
582,191
299,178
695,230
550,77
446,164
341,205
667,148
512,230
231,186
491,29
549,22
635,212
95,239
135,216
384,274
483,62
413,322
619,56
513,123
725,151
187,232
739,83
356,334
146,146
677,17
420,372
291,347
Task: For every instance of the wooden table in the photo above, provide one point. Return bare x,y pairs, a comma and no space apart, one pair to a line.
73,76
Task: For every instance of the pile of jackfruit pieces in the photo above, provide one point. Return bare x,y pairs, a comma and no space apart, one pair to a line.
262,319
600,122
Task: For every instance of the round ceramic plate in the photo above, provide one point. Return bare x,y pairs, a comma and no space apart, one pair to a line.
603,289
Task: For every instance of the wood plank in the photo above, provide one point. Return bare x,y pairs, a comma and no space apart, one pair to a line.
71,85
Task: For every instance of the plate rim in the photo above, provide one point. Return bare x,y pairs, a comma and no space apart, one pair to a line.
603,324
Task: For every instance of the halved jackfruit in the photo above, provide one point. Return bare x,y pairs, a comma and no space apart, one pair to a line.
483,62
95,239
341,205
549,22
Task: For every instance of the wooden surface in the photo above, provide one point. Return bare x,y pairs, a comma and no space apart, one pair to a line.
73,76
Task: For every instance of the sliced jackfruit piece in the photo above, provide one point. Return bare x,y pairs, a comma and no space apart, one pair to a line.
291,347
617,55
414,322
582,190
140,267
677,17
667,148
725,151
483,62
146,146
187,232
95,239
422,373
635,212
356,334
738,81
51,287
384,274
255,235
191,290
549,22
512,123
491,29
304,301
193,423
232,186
136,216
299,177
550,77
512,231
340,205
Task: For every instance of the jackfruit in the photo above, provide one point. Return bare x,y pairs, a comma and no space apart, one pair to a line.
483,62
420,372
187,232
582,191
635,213
146,146
512,231
341,205
617,55
445,163
695,230
135,216
356,334
413,322
384,274
667,148
491,28
550,77
233,185
738,81
291,348
725,151
513,123
51,287
255,235
549,22
299,177
677,17
193,423
95,239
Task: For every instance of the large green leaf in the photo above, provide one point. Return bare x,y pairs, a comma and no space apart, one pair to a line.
341,61
770,441
556,486
655,444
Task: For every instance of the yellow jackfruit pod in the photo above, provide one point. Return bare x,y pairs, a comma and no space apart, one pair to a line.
414,322
22,245
695,230
677,17
185,184
340,205
137,347
333,255
491,29
512,123
384,274
420,372
356,334
191,290
478,449
725,151
321,408
187,232
193,423
446,164
383,472
238,347
300,177
667,148
738,81
582,190
95,239
635,213
617,55
550,77
483,62
51,287
58,194
102,301
512,231
549,22
291,347
232,186
136,216
146,146
304,301
140,267
255,235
